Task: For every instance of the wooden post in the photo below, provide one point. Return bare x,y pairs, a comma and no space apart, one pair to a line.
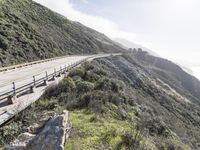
46,75
14,89
34,85
12,98
55,71
54,76
46,80
65,71
59,74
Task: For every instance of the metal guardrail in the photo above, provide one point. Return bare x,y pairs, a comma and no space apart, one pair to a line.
17,91
29,64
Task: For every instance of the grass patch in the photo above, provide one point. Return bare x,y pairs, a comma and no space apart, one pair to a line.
93,132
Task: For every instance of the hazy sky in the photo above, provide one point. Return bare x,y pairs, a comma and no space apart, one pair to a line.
171,28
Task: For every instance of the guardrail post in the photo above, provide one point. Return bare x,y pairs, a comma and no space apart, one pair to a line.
14,88
46,80
69,67
12,98
65,71
59,72
34,85
54,76
46,75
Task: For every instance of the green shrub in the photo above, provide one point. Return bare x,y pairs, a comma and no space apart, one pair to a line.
91,76
133,139
89,66
13,129
115,98
48,104
157,127
77,72
84,86
3,43
100,72
94,101
109,84
103,84
52,91
67,85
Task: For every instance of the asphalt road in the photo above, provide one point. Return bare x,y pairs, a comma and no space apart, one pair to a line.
24,75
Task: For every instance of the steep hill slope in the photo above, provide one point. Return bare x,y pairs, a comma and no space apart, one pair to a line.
29,31
172,74
134,101
116,103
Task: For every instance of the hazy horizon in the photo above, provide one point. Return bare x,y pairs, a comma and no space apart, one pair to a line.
169,28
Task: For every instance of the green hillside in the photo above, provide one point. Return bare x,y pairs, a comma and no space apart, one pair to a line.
29,31
129,102
115,103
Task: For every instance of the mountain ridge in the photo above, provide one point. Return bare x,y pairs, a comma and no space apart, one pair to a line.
133,101
128,44
30,31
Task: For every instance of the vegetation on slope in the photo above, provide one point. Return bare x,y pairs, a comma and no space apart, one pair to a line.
129,102
172,74
115,103
29,31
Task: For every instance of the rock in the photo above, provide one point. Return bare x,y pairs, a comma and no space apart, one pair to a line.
123,114
52,136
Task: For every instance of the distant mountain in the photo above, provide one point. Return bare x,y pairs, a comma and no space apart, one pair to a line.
171,74
29,31
128,44
186,69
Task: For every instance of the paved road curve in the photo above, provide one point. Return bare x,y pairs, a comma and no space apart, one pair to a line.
24,75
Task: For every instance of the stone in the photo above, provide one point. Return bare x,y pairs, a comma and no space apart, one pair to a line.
52,137
123,114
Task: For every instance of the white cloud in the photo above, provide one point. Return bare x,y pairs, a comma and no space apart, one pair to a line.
111,29
85,1
100,24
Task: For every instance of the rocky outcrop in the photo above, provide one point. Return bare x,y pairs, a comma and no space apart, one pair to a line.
52,136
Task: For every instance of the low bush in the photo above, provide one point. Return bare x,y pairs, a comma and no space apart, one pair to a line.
91,76
94,101
109,84
157,127
103,84
67,85
84,86
77,72
14,129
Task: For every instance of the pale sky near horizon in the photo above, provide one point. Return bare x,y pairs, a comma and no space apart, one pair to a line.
171,28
